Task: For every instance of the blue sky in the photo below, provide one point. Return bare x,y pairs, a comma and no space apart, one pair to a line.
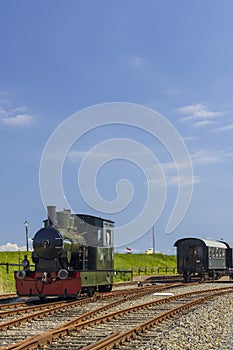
59,57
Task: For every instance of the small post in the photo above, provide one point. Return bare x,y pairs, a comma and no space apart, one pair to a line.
153,239
19,258
26,231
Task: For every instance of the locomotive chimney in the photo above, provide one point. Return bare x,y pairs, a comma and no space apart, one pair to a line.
51,210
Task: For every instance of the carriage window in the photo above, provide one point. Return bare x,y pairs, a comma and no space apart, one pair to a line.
191,251
217,255
214,253
199,251
223,253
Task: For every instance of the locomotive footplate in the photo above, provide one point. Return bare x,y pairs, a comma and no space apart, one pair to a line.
48,284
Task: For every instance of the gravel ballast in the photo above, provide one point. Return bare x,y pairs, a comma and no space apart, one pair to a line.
208,326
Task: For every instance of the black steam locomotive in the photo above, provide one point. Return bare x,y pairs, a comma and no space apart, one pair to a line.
204,258
72,253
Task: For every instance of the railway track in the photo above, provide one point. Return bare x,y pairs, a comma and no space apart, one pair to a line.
7,298
105,329
29,305
8,295
30,321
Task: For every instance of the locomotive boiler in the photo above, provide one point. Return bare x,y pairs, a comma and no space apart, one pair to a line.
72,253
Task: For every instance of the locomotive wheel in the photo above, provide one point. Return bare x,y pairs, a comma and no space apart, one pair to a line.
106,288
187,277
90,291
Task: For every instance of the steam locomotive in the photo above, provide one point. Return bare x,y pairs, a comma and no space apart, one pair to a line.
72,253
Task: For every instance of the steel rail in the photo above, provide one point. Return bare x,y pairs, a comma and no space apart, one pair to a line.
120,337
49,309
8,295
14,323
140,293
29,308
80,323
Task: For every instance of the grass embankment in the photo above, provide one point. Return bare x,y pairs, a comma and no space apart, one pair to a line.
7,282
141,264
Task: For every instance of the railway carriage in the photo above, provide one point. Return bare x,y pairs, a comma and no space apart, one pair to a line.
72,253
203,258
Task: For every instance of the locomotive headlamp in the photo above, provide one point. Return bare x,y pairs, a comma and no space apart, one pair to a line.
21,274
63,274
46,243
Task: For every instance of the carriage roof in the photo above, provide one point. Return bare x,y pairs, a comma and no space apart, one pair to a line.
206,242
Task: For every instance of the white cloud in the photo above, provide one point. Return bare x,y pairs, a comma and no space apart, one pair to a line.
2,111
13,115
172,178
206,156
20,119
11,247
204,122
185,181
198,112
14,246
224,128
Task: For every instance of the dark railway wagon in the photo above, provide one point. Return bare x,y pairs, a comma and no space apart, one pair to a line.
72,253
203,258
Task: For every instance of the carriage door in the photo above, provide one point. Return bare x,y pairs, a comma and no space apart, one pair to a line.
198,254
195,257
191,259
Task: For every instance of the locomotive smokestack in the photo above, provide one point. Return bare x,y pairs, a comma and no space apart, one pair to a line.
51,210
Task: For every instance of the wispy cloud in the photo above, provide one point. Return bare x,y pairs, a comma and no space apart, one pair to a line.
199,114
20,119
185,181
12,115
206,156
204,123
224,128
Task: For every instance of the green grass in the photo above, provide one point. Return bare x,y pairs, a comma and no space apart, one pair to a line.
141,264
7,283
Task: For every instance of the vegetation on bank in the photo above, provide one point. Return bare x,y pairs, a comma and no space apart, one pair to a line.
7,282
138,264
142,264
